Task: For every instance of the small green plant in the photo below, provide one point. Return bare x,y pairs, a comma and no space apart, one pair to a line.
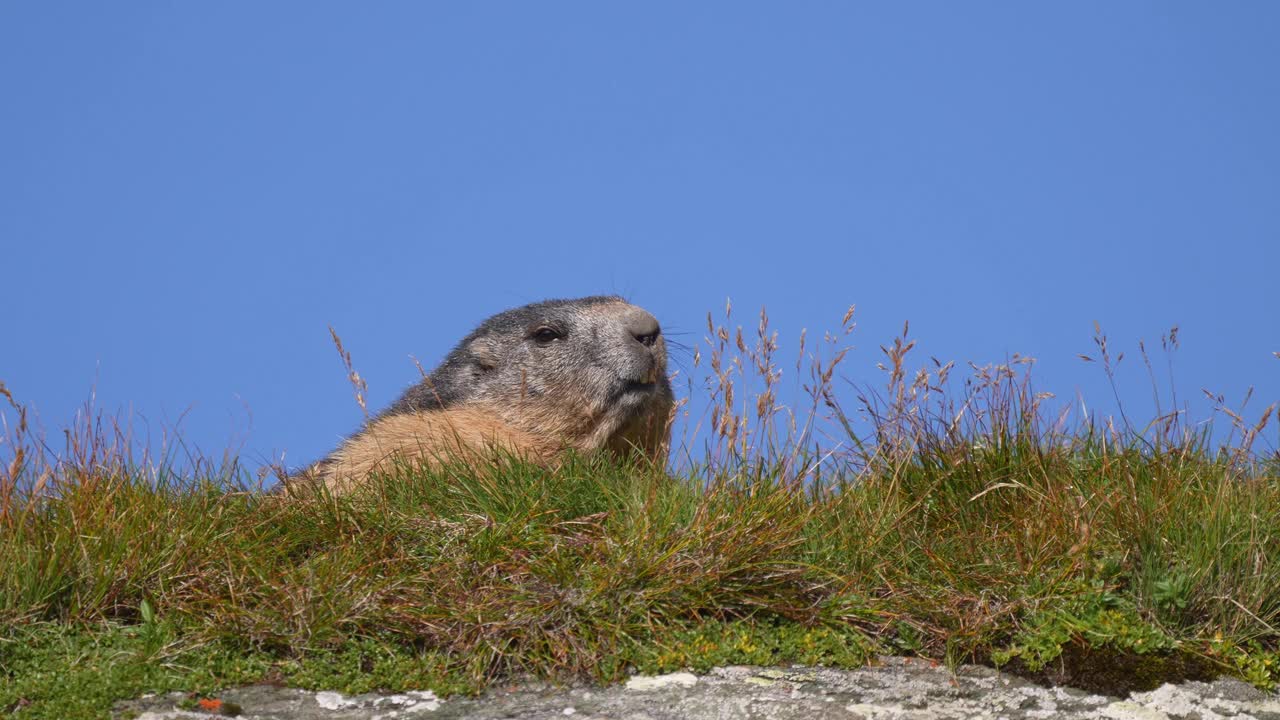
1173,592
1249,660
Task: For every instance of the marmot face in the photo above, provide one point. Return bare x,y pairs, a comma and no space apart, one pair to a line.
560,366
587,374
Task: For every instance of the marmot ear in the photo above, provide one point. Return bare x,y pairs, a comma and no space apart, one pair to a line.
484,352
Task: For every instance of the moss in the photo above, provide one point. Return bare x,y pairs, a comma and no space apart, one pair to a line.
1114,671
768,641
69,673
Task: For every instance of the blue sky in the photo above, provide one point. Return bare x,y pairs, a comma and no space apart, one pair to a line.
190,193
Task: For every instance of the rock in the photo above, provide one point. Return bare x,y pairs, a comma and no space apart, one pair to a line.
895,689
656,682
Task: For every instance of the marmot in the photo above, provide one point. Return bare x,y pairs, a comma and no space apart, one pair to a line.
587,374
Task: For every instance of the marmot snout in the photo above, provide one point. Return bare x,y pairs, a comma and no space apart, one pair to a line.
587,374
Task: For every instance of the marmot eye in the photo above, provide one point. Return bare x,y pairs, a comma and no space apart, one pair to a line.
545,335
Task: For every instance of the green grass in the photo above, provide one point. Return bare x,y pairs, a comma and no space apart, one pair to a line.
958,525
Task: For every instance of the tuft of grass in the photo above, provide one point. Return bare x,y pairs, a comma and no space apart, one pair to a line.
953,518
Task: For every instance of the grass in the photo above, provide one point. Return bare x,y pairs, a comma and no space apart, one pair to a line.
953,519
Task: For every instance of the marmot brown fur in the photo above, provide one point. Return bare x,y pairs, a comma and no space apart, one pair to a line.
587,374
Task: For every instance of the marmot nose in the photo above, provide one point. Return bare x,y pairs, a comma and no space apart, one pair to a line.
642,326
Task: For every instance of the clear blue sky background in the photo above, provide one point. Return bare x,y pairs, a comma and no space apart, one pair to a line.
191,192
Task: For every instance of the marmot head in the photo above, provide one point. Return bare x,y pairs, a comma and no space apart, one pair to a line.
592,371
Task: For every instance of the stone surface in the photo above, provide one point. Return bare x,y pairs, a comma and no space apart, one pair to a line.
896,689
